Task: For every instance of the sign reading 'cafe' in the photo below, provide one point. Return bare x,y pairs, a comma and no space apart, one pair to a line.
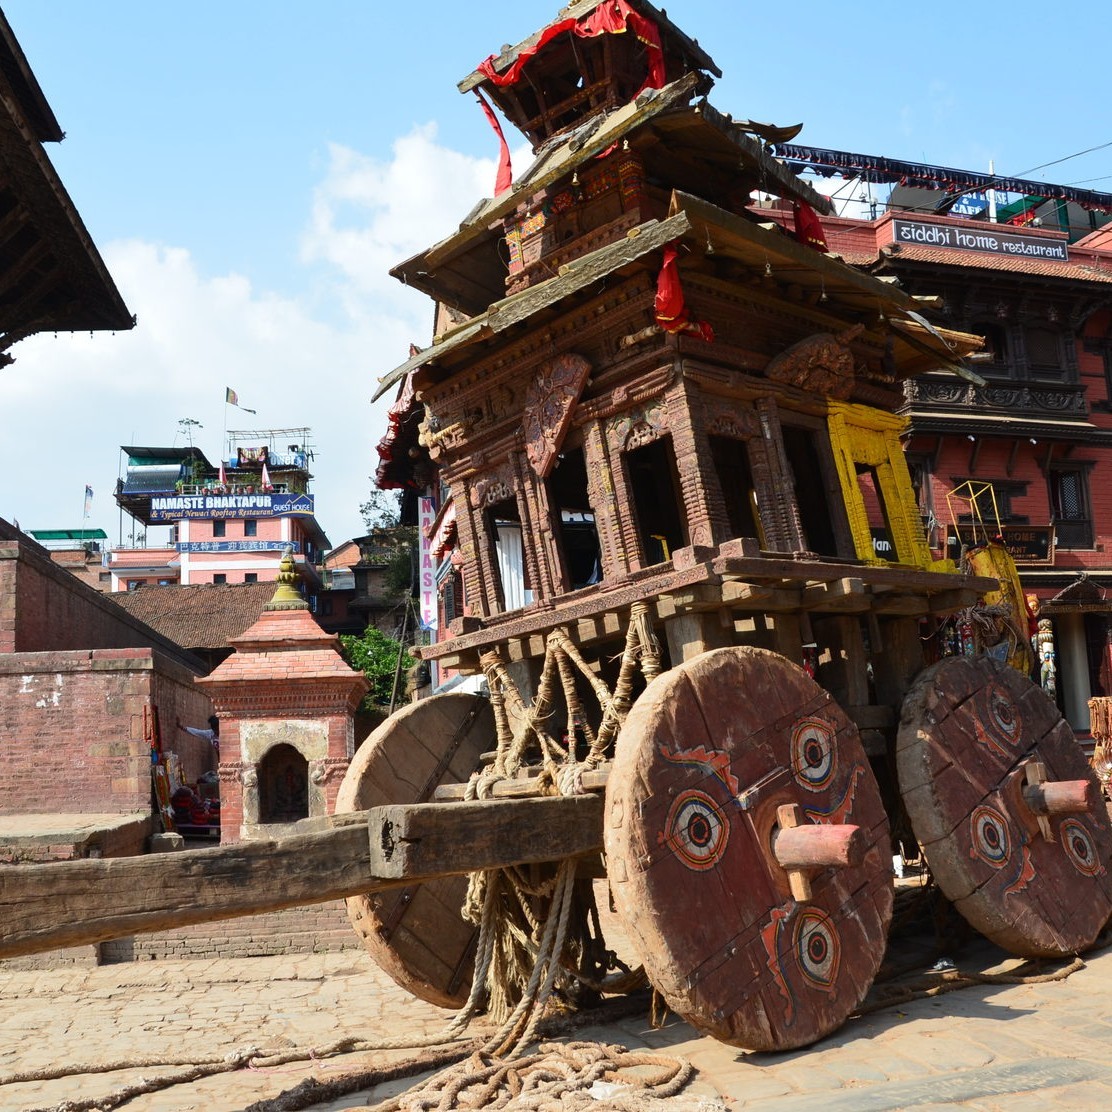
986,238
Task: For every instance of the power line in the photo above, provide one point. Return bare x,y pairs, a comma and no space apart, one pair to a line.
1066,159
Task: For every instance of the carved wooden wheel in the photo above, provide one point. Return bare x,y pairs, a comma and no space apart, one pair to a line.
416,934
748,849
1005,806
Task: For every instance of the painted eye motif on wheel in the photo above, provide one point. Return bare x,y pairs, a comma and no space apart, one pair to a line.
817,947
1078,843
812,753
696,830
991,841
1003,713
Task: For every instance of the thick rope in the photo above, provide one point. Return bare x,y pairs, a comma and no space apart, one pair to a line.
639,638
576,717
951,980
558,1074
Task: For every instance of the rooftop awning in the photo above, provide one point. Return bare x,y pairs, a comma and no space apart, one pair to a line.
43,535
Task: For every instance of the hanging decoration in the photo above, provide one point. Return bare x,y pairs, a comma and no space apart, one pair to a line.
503,179
808,227
670,308
612,18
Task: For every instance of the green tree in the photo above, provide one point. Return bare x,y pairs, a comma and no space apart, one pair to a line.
382,510
376,656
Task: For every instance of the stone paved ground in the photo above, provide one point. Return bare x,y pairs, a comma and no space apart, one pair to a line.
1016,1047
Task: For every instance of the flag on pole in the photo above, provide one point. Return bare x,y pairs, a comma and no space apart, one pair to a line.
223,477
266,480
88,499
232,398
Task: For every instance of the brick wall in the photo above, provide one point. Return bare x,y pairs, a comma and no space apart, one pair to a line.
72,728
76,673
298,930
44,608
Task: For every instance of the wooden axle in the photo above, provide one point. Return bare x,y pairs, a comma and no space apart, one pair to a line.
800,847
522,788
1062,797
75,903
1054,797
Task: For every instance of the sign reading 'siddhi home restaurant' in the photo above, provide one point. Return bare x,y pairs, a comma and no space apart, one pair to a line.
987,238
216,506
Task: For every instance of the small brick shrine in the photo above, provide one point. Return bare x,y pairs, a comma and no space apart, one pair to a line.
286,702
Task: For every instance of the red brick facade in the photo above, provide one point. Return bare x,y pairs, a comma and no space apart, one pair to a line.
77,729
286,701
81,686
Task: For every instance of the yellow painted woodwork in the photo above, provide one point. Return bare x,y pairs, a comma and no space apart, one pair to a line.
861,435
994,560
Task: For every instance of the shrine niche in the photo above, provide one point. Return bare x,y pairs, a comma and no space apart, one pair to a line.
549,405
820,364
283,778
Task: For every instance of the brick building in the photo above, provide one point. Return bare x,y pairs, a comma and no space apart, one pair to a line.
228,523
1037,432
85,690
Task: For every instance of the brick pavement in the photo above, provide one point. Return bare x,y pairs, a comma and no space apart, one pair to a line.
988,1048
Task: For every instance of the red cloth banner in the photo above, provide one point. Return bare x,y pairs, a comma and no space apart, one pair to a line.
505,176
670,308
612,18
808,227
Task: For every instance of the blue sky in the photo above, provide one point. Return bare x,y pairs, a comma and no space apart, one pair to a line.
250,170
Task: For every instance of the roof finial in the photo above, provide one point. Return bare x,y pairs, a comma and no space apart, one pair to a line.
286,597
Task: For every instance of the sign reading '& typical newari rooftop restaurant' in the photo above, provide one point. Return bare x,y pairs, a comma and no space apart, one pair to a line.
986,238
216,506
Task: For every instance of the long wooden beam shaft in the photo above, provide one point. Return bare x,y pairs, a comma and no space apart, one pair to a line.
431,839
75,903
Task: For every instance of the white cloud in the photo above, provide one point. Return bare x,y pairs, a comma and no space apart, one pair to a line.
368,214
70,401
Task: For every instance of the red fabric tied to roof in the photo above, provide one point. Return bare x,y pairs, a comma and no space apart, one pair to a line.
395,415
612,18
505,175
808,227
669,307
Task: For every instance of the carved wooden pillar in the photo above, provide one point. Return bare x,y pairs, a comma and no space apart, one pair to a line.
780,513
542,556
625,433
477,571
483,494
692,448
602,492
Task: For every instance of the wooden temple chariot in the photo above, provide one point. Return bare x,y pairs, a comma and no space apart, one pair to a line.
667,432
